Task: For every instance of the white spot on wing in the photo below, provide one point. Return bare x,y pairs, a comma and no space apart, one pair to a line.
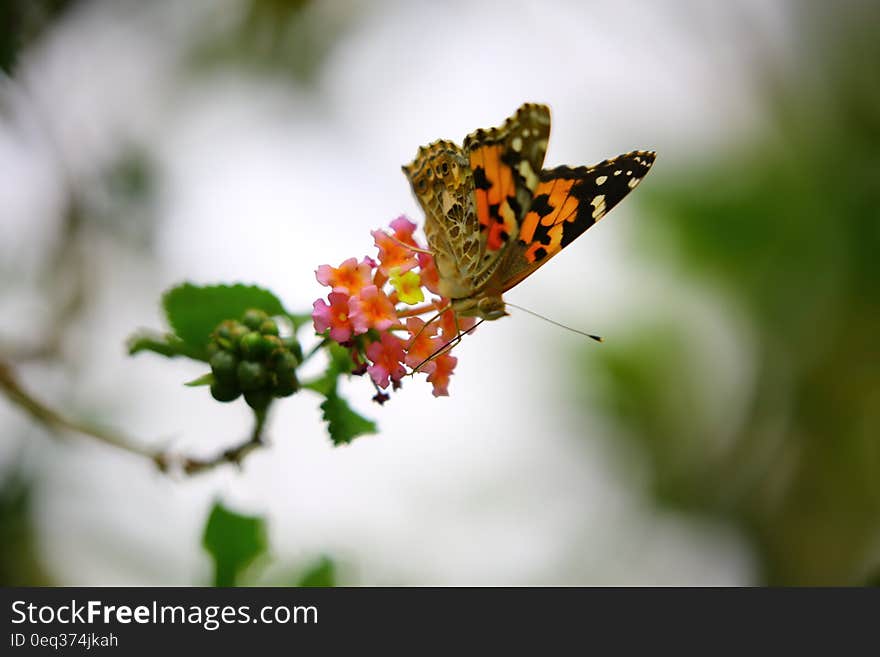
506,213
446,201
516,142
598,204
601,180
632,182
525,170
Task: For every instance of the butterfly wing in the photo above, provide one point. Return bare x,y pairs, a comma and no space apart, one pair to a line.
505,162
566,202
443,185
474,197
491,220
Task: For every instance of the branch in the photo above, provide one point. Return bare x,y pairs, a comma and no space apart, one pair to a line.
53,420
234,455
166,461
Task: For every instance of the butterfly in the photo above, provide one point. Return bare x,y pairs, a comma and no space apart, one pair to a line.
493,216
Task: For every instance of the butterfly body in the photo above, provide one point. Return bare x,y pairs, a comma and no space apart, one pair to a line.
493,215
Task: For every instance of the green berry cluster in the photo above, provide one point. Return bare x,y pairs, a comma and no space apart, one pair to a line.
248,357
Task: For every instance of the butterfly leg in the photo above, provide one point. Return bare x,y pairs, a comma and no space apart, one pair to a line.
446,347
424,326
431,321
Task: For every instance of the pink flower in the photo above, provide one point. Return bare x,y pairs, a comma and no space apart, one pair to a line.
439,376
336,317
404,229
362,312
350,276
372,309
387,357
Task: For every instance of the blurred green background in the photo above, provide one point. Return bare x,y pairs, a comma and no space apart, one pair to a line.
739,387
784,227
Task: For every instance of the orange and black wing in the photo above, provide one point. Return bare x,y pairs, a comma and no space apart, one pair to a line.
506,162
566,202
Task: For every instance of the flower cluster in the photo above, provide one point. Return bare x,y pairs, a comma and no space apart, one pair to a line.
375,309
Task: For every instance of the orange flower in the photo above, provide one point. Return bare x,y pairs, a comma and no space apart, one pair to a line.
372,309
450,324
439,376
361,312
392,250
350,276
422,343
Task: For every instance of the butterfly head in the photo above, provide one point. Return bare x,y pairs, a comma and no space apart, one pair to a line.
485,307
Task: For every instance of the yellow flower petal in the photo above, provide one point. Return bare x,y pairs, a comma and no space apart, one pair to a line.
408,286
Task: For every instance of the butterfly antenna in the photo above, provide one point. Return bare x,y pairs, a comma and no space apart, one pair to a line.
447,346
597,338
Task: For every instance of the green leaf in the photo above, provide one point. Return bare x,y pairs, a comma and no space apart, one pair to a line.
343,423
340,358
203,380
340,363
299,320
234,541
168,345
320,574
194,312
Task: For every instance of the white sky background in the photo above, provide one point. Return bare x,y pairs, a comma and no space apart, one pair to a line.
260,180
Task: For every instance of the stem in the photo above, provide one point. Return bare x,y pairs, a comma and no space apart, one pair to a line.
164,460
235,454
417,310
298,321
323,343
54,421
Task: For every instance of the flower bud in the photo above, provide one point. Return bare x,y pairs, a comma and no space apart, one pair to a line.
272,343
251,376
285,387
284,362
224,366
269,327
290,343
258,399
253,318
224,392
252,346
229,333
